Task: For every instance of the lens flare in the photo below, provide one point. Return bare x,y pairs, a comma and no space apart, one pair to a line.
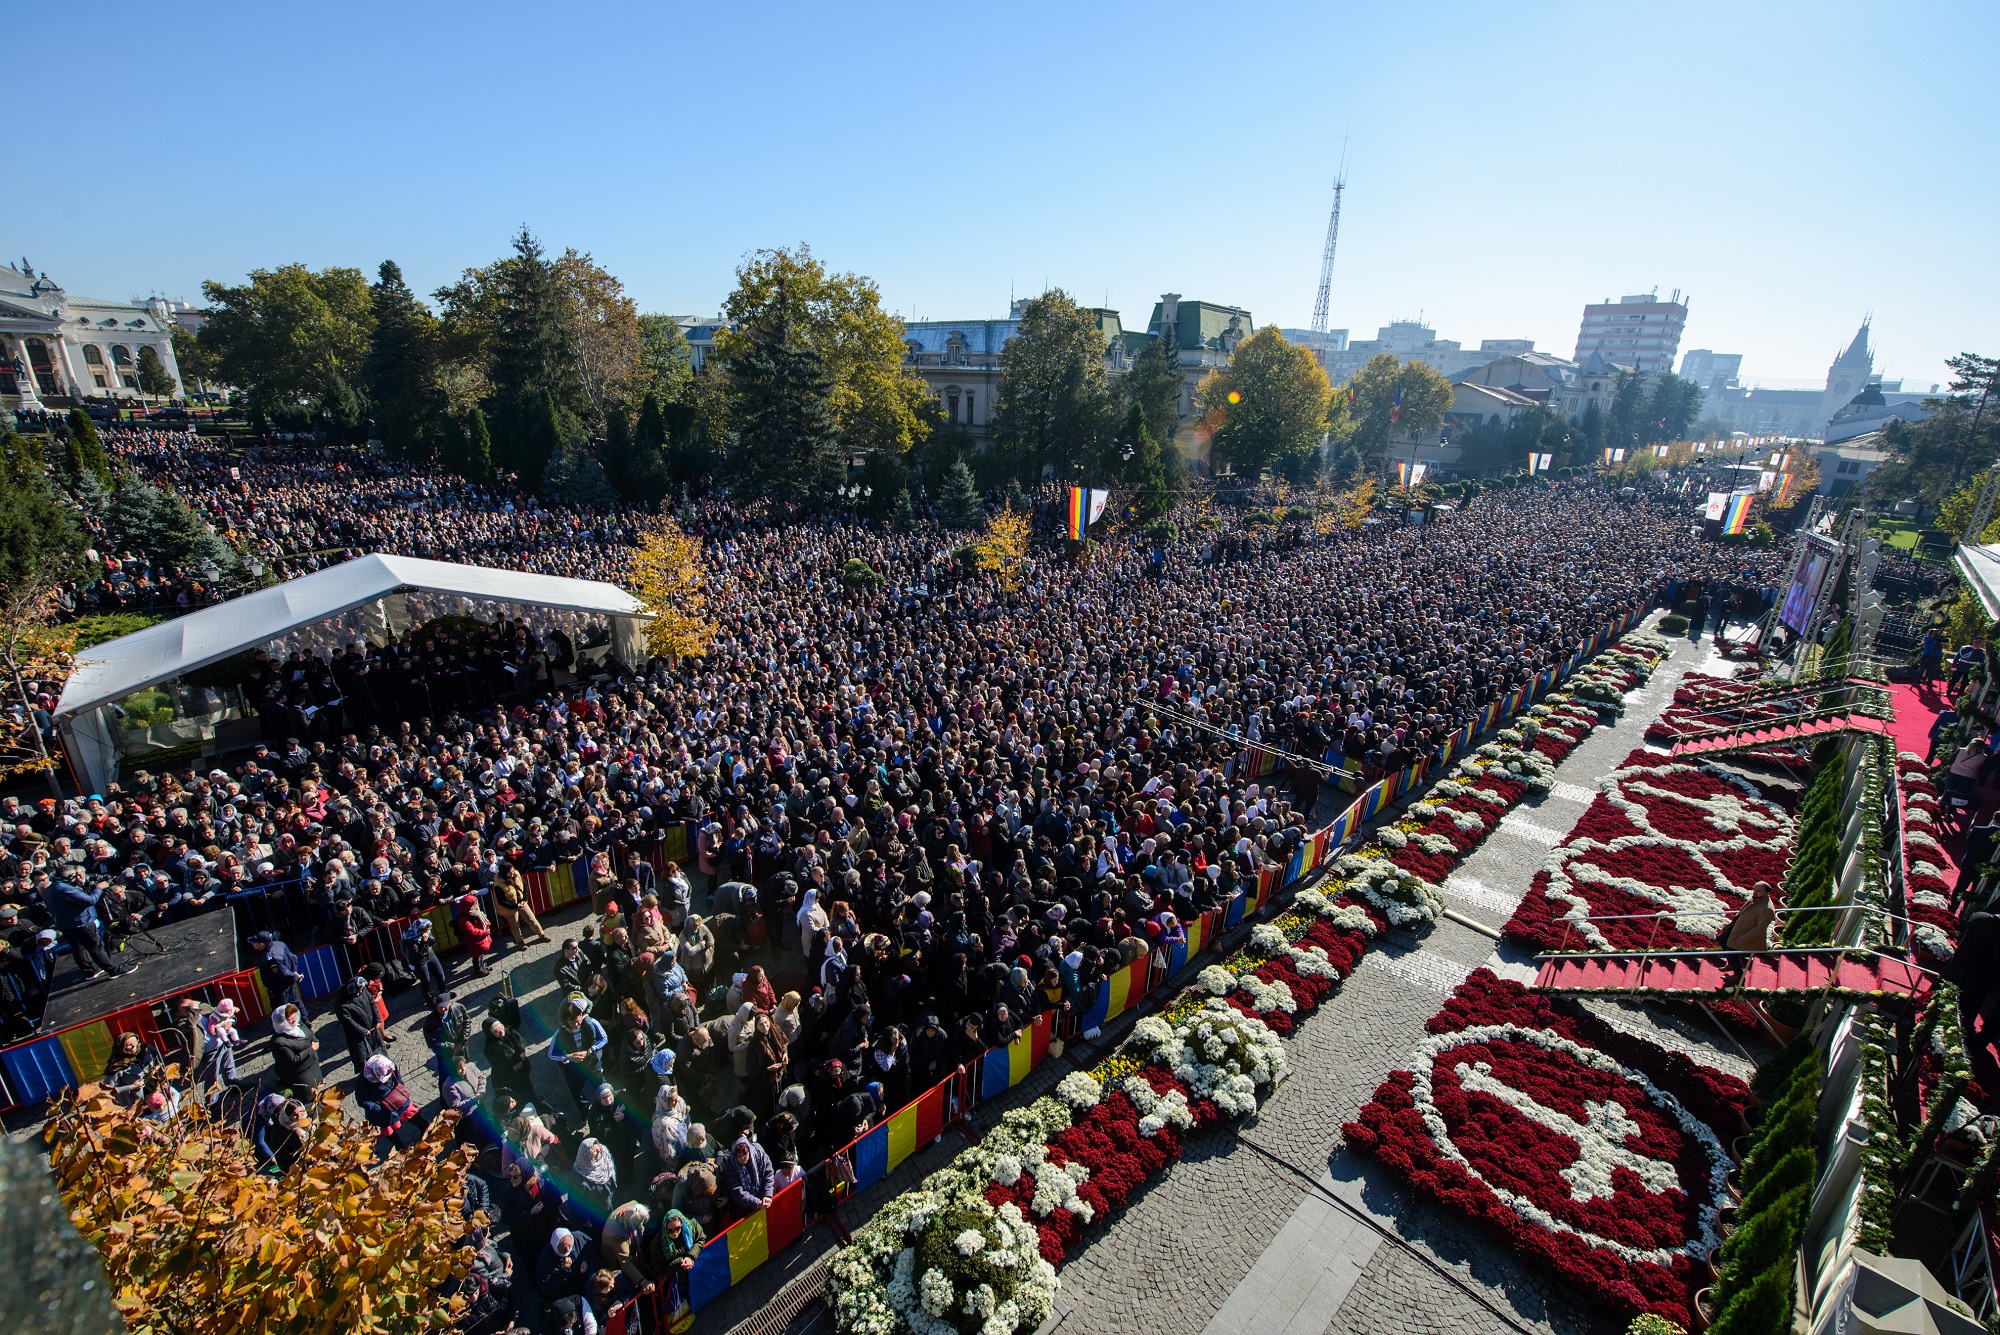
1234,397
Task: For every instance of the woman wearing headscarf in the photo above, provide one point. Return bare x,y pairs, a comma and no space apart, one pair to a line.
696,952
787,1017
1019,994
294,1053
757,990
670,1125
507,1060
741,1033
277,1132
769,1060
562,1271
812,924
132,1069
671,1251
650,931
597,1180
387,1104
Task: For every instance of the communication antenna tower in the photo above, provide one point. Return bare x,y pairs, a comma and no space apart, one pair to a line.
1320,303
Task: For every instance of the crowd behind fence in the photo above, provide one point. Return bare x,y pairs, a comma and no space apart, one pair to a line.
36,1068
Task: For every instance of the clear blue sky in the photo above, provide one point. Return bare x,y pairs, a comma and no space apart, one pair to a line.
1791,166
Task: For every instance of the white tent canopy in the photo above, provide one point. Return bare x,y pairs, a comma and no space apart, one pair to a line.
115,669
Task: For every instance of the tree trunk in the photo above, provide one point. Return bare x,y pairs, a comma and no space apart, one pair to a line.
28,707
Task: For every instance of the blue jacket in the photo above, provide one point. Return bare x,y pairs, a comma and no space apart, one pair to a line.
72,906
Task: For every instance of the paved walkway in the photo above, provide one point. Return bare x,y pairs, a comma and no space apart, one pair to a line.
1284,1232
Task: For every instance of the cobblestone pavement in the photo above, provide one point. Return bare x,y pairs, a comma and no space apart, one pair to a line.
1290,1234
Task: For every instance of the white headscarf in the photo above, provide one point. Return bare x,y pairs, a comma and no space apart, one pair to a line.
807,907
594,1165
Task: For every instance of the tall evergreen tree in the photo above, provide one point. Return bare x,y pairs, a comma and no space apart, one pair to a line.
476,461
1054,405
787,445
84,432
532,359
401,366
614,453
649,454
958,500
539,438
1154,386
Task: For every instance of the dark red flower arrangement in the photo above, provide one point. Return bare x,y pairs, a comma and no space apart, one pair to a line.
1501,1149
1656,786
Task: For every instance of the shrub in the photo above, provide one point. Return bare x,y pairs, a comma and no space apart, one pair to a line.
858,574
1673,624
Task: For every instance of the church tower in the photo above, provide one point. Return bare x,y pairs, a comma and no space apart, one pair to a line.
1850,373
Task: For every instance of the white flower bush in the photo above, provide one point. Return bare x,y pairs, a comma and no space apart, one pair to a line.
1215,981
1157,1110
1217,1052
1267,939
1080,1090
937,1255
1347,917
1391,837
1403,898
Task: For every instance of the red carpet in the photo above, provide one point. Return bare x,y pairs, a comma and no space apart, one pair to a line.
1916,708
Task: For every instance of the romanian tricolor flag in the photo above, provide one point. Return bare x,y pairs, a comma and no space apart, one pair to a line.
1085,505
1784,488
1736,516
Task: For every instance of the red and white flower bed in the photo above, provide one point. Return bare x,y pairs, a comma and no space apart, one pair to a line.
1696,704
1589,1149
1664,836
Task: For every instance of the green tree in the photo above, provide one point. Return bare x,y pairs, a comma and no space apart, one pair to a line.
282,336
197,363
153,376
958,501
158,522
1269,405
666,362
84,432
402,366
538,436
1393,400
1671,409
575,478
1154,385
787,445
1929,460
517,319
1592,435
876,403
468,452
1054,406
1628,404
635,459
41,551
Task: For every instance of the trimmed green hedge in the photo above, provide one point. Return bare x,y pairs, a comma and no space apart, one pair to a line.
1809,880
1757,1265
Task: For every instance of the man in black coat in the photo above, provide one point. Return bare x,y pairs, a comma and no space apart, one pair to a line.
360,1022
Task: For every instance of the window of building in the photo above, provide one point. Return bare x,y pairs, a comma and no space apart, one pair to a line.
1849,466
951,403
968,407
121,355
98,376
93,356
131,381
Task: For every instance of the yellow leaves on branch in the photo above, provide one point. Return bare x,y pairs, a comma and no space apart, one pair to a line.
196,1239
1003,551
1357,503
668,577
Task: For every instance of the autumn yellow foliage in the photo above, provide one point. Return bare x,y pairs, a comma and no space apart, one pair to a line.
196,1240
668,577
1003,551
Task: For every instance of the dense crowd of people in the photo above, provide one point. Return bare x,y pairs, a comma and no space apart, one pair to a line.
919,815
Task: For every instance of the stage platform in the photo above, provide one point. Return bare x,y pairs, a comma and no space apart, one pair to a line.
197,951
